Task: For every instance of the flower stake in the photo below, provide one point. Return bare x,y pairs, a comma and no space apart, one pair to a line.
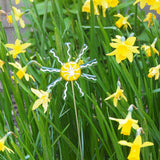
70,72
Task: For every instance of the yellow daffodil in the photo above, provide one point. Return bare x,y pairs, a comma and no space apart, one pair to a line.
149,49
17,1
154,71
104,3
18,16
151,2
127,123
123,48
156,6
86,7
21,71
2,141
71,70
7,16
31,0
142,3
117,96
135,146
17,48
149,18
9,19
43,99
1,65
122,21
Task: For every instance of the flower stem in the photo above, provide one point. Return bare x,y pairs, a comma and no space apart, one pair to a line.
78,131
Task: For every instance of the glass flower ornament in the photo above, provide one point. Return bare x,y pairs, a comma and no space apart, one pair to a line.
70,71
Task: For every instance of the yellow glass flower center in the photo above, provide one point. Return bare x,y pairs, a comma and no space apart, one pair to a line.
70,71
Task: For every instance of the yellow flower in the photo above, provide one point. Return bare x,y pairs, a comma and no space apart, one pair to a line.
122,21
17,1
2,141
18,14
31,0
149,18
127,123
151,2
123,48
117,96
71,70
104,3
135,146
43,99
156,6
17,48
142,3
9,19
1,65
21,71
154,71
149,49
86,7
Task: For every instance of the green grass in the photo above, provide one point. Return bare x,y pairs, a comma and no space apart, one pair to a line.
53,135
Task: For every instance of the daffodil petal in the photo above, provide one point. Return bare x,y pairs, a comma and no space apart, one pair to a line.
125,143
37,103
146,144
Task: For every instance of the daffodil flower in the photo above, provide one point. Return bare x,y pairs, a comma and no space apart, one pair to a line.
1,65
127,123
17,48
135,146
156,6
21,71
104,3
149,18
8,17
149,49
142,3
154,71
2,141
18,16
122,21
123,48
70,71
117,96
43,99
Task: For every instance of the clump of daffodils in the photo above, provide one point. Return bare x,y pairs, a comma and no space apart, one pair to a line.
135,146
